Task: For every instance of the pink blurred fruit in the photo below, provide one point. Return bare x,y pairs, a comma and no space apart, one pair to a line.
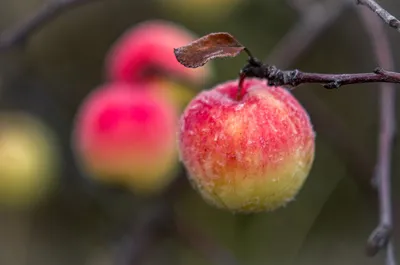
126,135
146,50
250,154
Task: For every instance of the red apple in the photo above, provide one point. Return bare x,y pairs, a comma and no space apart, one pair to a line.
125,135
29,158
146,50
250,154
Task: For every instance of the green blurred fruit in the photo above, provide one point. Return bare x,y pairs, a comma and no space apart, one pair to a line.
29,160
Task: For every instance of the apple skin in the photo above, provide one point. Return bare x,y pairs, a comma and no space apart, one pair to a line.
30,160
126,135
248,155
146,50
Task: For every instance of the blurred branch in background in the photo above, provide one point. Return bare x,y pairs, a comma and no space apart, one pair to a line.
314,19
299,5
51,10
203,244
160,221
152,226
381,12
155,222
380,237
285,54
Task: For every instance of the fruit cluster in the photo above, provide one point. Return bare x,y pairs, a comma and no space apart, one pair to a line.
250,153
125,130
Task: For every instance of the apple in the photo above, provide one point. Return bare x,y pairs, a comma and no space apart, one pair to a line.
29,158
126,135
146,50
248,154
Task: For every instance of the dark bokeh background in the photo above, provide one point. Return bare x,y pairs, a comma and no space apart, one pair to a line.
84,223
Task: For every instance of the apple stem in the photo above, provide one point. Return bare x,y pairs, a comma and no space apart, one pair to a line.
239,95
251,57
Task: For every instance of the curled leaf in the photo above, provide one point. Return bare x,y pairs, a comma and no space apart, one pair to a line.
211,46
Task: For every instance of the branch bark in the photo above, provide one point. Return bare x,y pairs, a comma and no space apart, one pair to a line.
294,78
381,12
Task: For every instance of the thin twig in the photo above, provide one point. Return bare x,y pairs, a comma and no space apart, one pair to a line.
315,18
50,11
294,78
382,13
383,54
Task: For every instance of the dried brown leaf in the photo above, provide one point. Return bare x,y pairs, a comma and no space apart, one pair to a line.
211,46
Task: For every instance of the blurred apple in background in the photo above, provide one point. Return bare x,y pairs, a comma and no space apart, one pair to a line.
29,160
144,54
209,10
179,93
146,50
125,135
